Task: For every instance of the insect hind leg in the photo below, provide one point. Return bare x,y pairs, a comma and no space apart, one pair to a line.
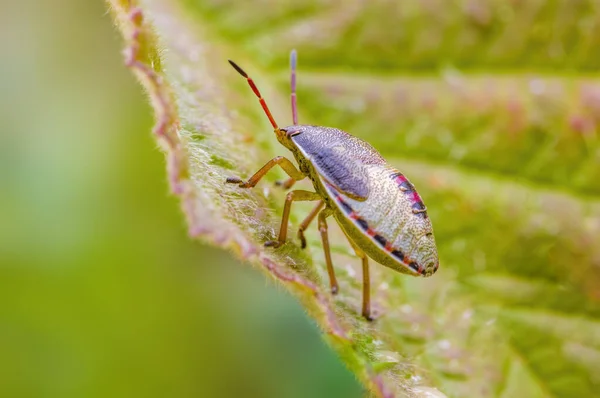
366,302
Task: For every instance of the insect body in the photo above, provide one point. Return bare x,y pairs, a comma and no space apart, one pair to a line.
377,208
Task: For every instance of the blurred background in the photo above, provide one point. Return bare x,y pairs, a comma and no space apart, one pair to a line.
492,106
101,292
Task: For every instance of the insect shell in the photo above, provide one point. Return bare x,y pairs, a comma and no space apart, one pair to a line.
376,206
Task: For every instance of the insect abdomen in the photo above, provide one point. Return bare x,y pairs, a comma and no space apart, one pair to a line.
392,223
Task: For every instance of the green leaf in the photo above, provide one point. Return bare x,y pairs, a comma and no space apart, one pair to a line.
508,165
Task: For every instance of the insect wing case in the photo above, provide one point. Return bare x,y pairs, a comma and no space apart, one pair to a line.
338,157
378,208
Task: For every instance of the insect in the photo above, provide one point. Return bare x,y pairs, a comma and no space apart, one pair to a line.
377,208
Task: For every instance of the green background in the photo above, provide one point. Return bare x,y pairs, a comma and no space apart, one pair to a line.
491,107
101,291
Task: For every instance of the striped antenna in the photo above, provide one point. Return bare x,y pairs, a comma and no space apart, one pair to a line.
293,63
257,93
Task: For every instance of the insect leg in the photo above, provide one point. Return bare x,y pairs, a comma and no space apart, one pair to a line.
366,304
298,196
285,164
311,216
325,238
287,184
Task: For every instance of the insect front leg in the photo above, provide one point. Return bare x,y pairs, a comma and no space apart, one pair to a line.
298,196
304,226
325,238
285,164
366,303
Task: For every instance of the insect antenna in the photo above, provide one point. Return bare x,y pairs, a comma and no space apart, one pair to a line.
257,93
293,63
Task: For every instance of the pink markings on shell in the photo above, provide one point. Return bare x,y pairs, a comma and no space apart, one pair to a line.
400,179
410,191
415,197
387,246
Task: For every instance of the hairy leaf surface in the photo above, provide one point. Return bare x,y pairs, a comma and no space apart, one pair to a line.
508,166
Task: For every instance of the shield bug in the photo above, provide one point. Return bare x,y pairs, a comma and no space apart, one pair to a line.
376,206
